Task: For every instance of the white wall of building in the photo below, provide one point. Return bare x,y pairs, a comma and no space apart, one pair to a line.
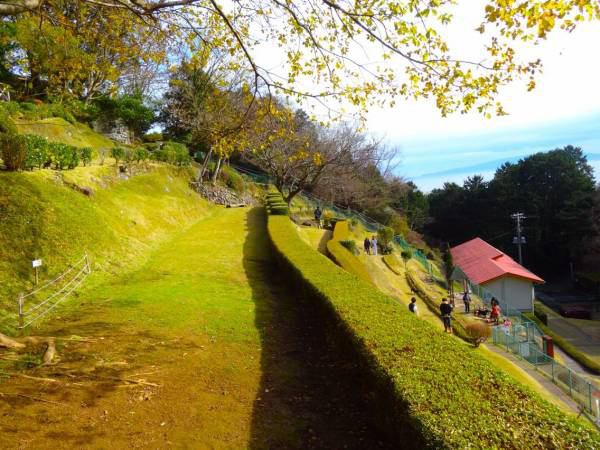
515,292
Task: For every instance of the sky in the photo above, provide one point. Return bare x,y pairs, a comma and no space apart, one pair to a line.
564,109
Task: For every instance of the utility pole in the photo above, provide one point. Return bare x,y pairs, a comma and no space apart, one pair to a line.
519,240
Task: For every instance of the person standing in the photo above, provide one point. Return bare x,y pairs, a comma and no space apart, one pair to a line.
318,214
467,301
446,311
367,245
413,306
495,314
374,245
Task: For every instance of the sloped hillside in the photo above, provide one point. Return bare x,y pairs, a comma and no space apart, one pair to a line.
57,129
44,215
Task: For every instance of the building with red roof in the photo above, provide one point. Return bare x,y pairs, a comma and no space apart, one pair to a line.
482,264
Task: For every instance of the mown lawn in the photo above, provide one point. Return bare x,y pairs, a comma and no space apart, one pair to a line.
217,351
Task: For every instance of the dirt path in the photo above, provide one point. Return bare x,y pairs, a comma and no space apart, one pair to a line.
201,348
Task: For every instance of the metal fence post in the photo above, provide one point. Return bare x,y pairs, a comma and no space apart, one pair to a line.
570,383
21,301
552,365
589,395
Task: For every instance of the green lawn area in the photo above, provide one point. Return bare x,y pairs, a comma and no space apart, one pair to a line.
228,357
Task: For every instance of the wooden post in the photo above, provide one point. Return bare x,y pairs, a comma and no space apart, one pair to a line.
21,301
87,264
36,276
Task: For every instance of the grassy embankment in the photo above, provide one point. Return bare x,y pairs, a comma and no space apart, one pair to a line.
116,225
190,341
389,275
181,336
397,350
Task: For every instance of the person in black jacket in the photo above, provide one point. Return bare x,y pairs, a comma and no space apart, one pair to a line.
446,310
367,245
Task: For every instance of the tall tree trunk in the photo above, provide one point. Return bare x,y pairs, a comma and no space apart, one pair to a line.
204,166
217,169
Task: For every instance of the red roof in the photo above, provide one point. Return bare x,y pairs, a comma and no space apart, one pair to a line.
483,263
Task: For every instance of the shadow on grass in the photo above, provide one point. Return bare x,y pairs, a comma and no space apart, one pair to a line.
309,395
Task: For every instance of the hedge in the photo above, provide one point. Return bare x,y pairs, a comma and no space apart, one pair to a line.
429,390
342,257
275,204
393,264
567,347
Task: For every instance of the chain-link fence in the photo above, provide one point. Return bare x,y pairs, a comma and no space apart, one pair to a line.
522,337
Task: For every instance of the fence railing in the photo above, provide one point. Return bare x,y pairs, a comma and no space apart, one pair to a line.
53,292
517,339
525,339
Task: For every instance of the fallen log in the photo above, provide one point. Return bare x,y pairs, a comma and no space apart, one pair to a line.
7,342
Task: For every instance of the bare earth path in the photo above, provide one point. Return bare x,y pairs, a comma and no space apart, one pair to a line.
202,347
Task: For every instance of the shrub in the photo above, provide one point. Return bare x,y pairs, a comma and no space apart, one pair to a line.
63,156
232,179
85,154
406,255
152,146
118,153
14,151
173,153
429,391
153,137
128,157
350,245
6,123
38,151
478,332
140,154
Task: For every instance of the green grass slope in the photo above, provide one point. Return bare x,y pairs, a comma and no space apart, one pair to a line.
43,216
439,394
342,256
56,129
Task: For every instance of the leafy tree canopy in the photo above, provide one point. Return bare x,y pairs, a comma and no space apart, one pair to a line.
322,41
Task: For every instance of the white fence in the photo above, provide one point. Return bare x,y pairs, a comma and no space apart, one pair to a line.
62,286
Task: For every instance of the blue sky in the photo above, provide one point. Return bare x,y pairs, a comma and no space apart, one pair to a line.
430,160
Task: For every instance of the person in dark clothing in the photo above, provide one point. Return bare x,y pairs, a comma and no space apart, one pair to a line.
446,310
318,214
467,301
367,245
413,306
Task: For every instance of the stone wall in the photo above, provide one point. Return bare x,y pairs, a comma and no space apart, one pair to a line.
113,129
